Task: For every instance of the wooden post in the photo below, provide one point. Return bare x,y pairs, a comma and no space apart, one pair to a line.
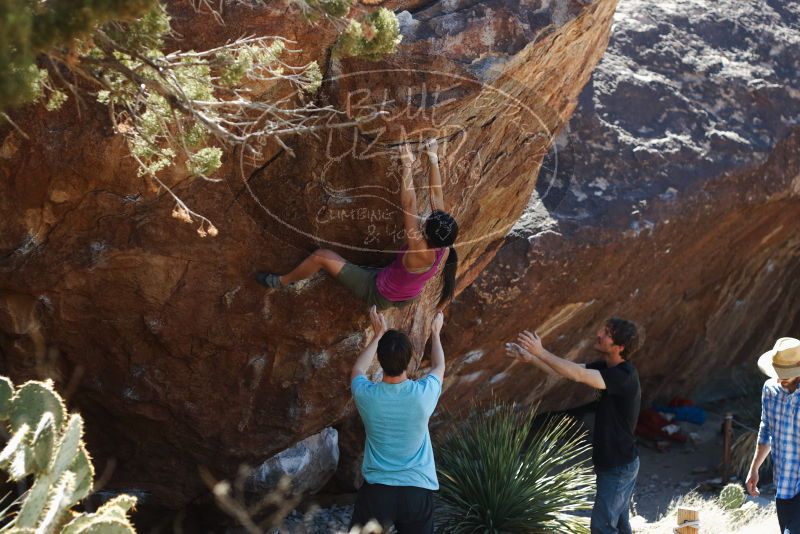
688,514
727,442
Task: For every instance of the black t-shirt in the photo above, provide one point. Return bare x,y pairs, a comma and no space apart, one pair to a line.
613,442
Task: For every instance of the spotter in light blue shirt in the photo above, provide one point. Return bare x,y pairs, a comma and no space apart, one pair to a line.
398,448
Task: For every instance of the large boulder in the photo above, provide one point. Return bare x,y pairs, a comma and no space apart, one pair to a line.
672,199
162,339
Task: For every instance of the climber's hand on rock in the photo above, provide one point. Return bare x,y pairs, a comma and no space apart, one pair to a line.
379,326
431,148
531,342
406,156
436,325
515,351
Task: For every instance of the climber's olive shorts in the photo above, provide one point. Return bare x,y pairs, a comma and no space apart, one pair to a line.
362,282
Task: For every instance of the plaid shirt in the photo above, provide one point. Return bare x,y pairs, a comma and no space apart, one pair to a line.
780,428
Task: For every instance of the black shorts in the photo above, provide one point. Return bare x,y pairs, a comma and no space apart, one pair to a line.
408,508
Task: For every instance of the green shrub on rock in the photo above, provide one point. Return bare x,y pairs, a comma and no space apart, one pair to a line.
372,38
46,444
184,108
334,8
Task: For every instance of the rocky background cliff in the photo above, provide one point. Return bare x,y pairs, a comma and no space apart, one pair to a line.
672,198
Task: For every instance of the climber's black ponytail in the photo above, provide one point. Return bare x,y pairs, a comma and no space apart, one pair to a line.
449,274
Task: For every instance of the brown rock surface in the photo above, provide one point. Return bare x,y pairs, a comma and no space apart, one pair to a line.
673,200
174,355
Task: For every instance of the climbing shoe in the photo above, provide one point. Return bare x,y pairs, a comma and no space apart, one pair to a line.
268,279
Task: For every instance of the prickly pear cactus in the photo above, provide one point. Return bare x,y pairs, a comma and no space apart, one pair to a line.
46,442
732,497
6,392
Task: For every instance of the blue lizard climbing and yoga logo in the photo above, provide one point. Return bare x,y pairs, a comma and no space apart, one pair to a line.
364,137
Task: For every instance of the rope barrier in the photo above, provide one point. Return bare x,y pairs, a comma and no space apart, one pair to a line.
735,422
685,524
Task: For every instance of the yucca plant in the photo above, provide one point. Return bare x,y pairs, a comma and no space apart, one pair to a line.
495,477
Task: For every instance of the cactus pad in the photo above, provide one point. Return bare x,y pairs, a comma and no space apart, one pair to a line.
16,441
52,450
67,448
42,442
6,392
34,504
58,503
32,401
118,506
732,497
84,474
98,525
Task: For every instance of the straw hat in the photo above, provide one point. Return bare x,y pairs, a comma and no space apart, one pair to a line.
783,361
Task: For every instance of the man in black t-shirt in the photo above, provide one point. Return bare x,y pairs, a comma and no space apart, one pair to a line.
616,460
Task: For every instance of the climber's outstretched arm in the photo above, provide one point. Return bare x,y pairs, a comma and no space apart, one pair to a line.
437,196
408,202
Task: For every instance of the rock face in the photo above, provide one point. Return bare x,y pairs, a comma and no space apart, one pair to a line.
174,355
671,199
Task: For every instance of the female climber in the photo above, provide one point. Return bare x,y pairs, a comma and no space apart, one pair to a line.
428,246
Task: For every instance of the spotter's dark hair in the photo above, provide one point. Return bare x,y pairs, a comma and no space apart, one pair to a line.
625,334
394,352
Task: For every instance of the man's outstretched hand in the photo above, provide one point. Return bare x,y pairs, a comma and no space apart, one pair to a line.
436,324
379,326
531,342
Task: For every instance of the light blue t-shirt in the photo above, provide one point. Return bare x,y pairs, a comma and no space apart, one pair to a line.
398,448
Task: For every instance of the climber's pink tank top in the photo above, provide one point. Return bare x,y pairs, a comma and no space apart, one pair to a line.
396,283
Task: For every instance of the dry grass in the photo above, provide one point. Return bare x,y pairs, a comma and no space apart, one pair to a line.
749,519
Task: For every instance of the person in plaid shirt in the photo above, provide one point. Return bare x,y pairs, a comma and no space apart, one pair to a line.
779,432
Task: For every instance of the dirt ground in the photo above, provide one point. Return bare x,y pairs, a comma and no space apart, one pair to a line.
668,476
664,476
